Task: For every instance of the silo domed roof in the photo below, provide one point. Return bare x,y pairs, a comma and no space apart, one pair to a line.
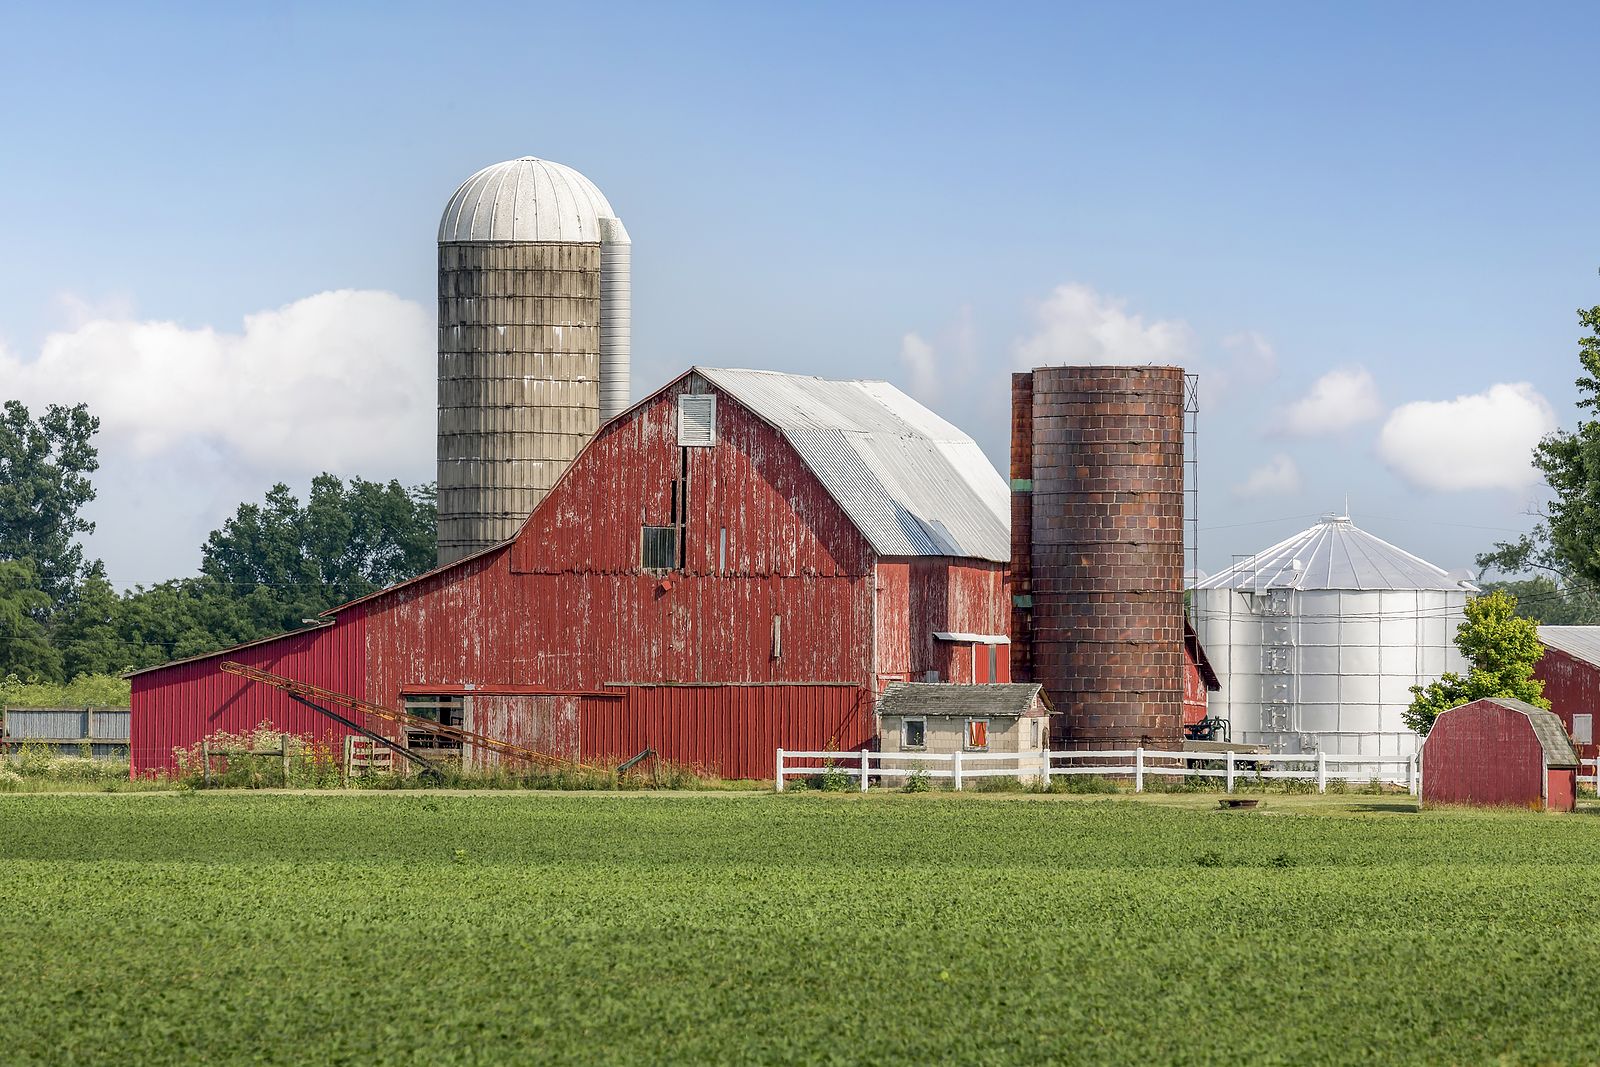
1334,554
525,199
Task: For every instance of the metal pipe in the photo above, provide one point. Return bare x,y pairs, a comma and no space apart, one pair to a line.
616,317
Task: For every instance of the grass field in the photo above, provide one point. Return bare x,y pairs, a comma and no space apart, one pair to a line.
418,928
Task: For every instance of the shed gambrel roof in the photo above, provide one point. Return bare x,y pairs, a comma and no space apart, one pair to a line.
912,483
1000,700
1547,727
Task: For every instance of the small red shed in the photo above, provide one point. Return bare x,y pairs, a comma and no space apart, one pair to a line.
1500,751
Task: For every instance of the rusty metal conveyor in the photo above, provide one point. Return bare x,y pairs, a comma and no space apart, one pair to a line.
310,695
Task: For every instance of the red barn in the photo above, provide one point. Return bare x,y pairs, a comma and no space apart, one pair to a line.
1570,670
1199,677
1499,752
740,562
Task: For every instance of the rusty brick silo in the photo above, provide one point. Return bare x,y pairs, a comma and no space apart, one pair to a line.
1101,610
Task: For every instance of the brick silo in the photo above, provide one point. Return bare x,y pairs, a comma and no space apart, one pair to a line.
1101,613
534,340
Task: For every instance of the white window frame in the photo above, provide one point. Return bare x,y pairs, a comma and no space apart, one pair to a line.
966,736
905,741
1583,728
706,436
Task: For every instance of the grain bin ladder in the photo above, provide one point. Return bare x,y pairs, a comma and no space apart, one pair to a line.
310,695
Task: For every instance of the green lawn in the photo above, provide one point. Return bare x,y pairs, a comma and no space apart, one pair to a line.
419,928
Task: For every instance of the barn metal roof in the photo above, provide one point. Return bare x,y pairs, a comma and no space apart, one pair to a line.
998,701
910,481
1334,554
525,199
1579,642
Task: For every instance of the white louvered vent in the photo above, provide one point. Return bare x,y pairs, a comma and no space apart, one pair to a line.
697,420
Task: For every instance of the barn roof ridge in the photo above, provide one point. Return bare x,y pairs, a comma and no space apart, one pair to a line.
994,699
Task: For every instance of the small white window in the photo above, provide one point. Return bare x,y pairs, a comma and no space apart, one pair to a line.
1035,734
930,676
1583,729
777,637
977,735
914,733
697,420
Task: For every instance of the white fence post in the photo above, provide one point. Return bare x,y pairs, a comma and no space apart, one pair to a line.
956,776
1138,769
864,770
780,770
1322,771
1230,772
1411,774
1044,771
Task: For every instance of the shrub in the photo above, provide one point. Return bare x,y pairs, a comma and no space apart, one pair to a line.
917,781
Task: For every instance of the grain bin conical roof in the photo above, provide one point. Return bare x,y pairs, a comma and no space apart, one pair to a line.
1333,554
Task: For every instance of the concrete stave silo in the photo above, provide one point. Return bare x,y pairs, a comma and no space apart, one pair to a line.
1318,639
534,342
1102,576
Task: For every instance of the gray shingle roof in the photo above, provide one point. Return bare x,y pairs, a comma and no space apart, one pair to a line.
996,701
1547,727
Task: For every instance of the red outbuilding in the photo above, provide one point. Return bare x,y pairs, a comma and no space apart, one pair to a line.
1570,670
741,561
1199,677
1499,752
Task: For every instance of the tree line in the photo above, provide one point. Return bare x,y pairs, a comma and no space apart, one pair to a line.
270,566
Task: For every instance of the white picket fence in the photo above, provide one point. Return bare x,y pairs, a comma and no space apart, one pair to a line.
1593,777
961,767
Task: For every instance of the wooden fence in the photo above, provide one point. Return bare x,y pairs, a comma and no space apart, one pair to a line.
1042,766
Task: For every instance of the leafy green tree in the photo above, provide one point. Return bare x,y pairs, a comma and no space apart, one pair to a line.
1565,545
1501,648
284,562
45,464
1548,603
86,628
25,648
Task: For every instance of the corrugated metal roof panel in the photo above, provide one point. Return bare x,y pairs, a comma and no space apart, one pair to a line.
1334,554
1579,642
525,199
910,481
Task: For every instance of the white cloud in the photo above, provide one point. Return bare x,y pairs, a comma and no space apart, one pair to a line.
1252,359
341,381
1277,475
918,359
1481,441
1337,401
1077,324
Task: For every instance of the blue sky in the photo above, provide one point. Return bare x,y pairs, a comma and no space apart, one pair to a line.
931,194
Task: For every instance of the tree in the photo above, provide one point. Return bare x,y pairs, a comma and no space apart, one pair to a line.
86,629
1501,648
1548,603
1565,544
45,465
25,649
284,562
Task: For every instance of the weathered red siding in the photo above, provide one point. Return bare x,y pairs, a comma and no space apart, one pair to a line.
1485,754
1194,691
732,730
178,706
1572,686
566,608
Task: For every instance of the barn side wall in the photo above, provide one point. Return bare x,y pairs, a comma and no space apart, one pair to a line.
1483,754
178,706
1572,686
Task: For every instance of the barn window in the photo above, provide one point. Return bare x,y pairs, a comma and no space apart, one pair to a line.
777,636
1583,729
914,733
658,548
977,734
444,710
697,420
